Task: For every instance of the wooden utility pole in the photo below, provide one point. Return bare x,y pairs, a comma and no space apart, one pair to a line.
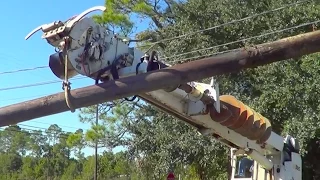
96,147
234,61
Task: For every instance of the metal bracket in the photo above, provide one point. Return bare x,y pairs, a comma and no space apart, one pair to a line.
215,85
194,105
193,108
206,132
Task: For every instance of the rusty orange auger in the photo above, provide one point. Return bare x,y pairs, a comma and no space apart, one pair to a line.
242,119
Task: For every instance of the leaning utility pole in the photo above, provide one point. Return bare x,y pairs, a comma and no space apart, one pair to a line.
234,61
96,147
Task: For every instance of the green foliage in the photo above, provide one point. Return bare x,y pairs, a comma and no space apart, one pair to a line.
61,157
287,93
117,14
164,143
55,160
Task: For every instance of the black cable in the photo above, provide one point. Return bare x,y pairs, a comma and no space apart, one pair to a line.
137,72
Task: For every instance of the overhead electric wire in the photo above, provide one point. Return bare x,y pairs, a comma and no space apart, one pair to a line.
62,135
43,133
168,39
181,54
60,125
23,70
204,55
177,55
37,84
37,127
245,39
26,97
18,62
188,34
241,40
33,126
227,23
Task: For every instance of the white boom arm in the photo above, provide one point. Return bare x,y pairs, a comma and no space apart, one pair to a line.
91,50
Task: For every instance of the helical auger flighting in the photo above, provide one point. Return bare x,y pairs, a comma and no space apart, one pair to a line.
242,119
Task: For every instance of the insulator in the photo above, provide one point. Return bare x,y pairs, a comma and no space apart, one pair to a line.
242,119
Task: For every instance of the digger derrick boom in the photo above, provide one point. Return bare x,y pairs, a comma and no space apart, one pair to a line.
91,50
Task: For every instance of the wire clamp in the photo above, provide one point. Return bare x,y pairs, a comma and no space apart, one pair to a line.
66,86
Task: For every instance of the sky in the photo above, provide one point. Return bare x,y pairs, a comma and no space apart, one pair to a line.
18,19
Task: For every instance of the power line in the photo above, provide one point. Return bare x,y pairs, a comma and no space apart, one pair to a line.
226,51
19,98
32,126
181,54
233,42
61,135
37,127
245,39
205,55
23,70
184,35
177,37
59,125
228,23
18,62
37,84
43,133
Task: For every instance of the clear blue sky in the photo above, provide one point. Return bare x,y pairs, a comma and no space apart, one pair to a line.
18,18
